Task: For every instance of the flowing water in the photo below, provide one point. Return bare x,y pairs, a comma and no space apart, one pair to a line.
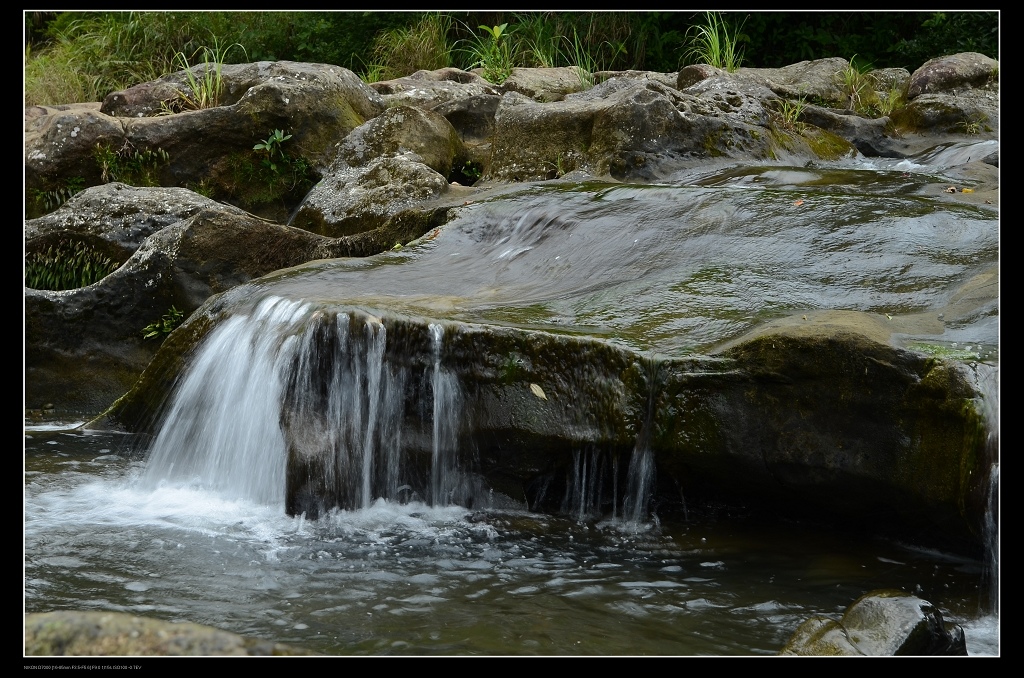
192,525
410,579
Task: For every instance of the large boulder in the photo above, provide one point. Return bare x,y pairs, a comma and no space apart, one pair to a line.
354,200
963,71
407,131
547,84
804,79
627,129
427,89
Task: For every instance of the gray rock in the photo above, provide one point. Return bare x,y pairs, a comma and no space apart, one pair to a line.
966,70
112,634
885,622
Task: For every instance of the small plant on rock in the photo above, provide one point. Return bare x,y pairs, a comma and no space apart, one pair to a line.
855,87
789,111
47,201
204,82
165,325
268,173
715,43
895,98
271,149
129,165
493,52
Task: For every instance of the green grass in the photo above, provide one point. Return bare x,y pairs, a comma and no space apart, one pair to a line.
855,87
91,54
49,200
130,165
789,112
398,52
204,80
892,100
715,42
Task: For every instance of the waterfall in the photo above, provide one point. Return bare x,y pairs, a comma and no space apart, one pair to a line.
375,337
444,479
288,380
987,380
220,429
583,485
640,478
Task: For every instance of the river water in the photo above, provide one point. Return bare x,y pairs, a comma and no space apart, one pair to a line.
394,579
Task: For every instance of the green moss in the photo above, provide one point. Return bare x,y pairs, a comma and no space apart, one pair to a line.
944,351
712,144
826,145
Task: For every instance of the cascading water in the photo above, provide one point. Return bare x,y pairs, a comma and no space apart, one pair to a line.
640,481
987,379
584,484
445,474
221,428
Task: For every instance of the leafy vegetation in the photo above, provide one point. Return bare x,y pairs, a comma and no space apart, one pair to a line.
129,165
856,87
889,101
789,111
492,52
47,201
66,265
269,174
165,325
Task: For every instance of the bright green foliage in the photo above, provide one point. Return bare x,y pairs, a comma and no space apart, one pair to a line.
66,265
271,148
493,52
715,43
165,325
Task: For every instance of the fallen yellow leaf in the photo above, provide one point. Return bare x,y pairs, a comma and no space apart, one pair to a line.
538,391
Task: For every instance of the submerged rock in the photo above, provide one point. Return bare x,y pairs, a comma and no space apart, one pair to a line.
97,634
